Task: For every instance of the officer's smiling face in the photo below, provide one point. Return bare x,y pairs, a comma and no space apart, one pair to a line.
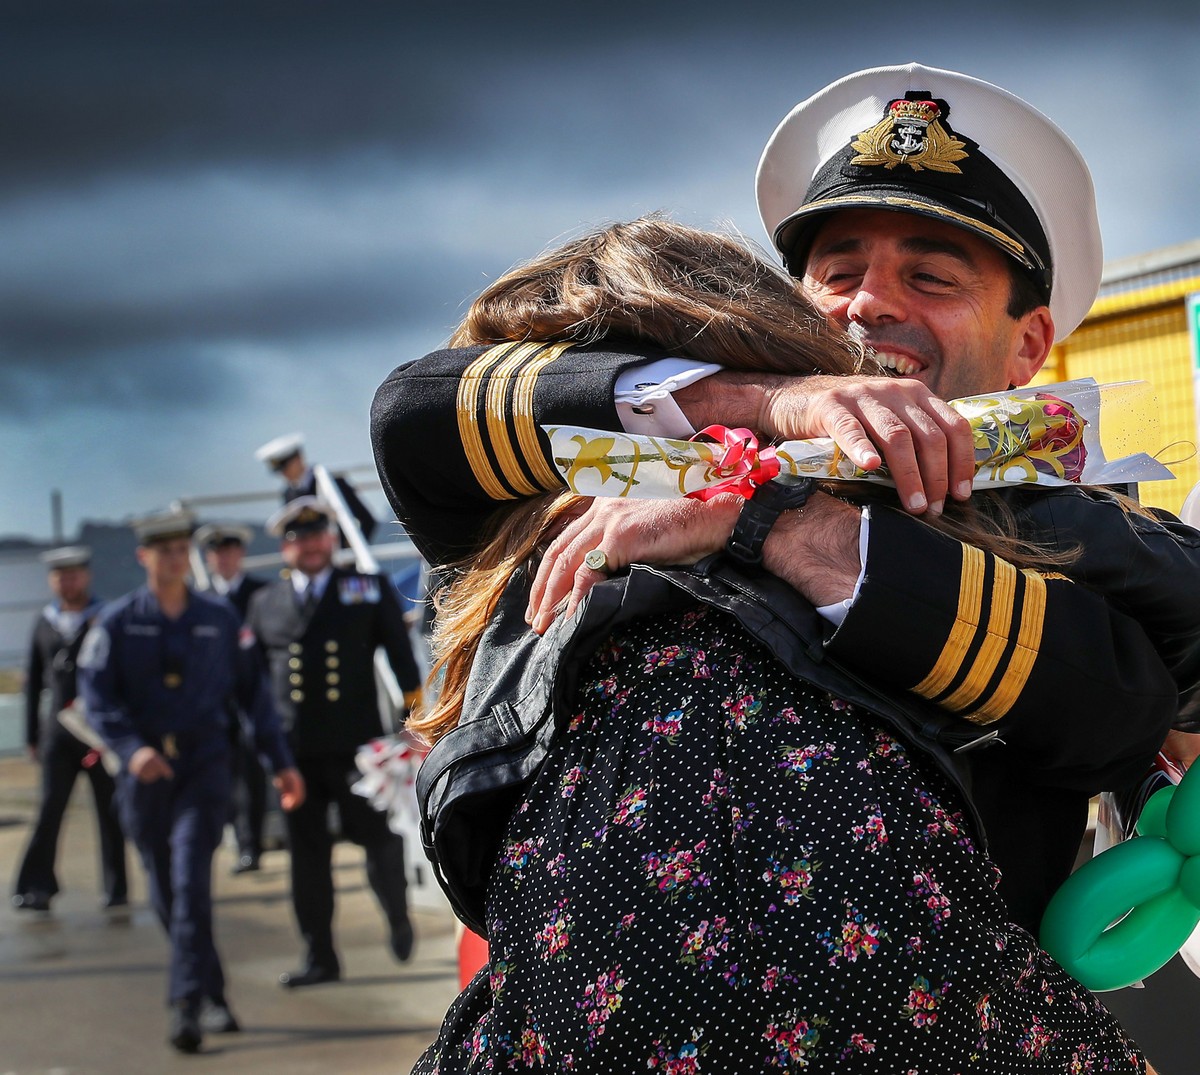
310,552
929,299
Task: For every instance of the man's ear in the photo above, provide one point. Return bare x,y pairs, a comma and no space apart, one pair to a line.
1033,342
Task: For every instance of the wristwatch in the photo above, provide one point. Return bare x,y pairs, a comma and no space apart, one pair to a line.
759,513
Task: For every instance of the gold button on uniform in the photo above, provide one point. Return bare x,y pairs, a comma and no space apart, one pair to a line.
297,696
333,679
295,647
295,662
333,694
331,646
295,679
331,662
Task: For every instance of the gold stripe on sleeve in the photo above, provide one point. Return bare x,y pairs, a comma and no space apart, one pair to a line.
995,642
966,623
1020,665
527,439
497,425
466,406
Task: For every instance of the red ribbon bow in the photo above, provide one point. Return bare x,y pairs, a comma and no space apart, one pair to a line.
743,465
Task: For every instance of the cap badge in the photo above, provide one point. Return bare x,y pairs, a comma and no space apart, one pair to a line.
910,133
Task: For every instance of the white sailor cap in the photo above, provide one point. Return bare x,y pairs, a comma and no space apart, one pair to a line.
163,526
278,451
66,556
211,535
304,515
947,146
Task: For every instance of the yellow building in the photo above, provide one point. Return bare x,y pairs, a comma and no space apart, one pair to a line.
1145,325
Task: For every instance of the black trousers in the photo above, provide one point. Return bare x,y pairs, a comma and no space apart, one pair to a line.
328,780
62,761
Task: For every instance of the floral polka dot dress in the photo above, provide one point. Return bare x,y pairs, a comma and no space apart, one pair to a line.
723,869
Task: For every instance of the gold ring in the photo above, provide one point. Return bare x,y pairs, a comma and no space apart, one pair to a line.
597,560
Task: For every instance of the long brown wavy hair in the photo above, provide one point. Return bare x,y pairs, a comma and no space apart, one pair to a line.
695,293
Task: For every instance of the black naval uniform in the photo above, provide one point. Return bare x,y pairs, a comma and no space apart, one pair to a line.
321,659
248,806
53,650
1059,667
307,486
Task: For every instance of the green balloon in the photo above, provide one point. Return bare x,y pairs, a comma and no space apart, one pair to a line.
1152,821
1120,916
1183,816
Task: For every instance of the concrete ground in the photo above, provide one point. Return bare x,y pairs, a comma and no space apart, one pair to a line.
81,989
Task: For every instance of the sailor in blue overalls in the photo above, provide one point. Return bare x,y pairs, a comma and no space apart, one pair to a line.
156,672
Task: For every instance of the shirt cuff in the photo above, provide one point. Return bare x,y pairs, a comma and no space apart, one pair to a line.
836,613
643,396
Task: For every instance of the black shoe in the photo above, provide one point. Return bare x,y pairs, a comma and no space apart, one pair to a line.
184,1031
402,940
308,976
31,901
110,903
216,1018
245,864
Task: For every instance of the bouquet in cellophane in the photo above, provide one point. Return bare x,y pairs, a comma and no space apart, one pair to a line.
1049,435
389,767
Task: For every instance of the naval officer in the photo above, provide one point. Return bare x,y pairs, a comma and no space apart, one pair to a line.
156,672
319,628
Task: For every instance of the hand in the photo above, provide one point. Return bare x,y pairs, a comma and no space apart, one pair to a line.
927,445
629,531
148,766
1184,747
290,785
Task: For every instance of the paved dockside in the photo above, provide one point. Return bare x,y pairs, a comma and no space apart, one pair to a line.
81,988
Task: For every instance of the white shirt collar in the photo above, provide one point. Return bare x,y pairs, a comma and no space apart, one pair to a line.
223,586
301,582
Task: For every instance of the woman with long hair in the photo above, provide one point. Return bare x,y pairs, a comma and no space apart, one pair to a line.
736,856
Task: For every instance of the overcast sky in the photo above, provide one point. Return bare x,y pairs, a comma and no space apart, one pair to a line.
220,222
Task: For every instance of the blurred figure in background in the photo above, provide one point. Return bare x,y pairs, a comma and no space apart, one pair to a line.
224,546
156,673
319,629
57,636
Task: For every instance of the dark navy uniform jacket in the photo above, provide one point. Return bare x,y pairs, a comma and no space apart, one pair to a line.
144,677
53,650
322,661
247,587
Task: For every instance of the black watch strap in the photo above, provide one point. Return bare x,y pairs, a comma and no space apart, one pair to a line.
759,513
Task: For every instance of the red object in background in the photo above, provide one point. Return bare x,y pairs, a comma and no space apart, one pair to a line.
472,954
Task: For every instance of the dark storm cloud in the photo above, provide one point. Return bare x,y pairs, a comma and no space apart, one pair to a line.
378,295
53,341
89,86
128,384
